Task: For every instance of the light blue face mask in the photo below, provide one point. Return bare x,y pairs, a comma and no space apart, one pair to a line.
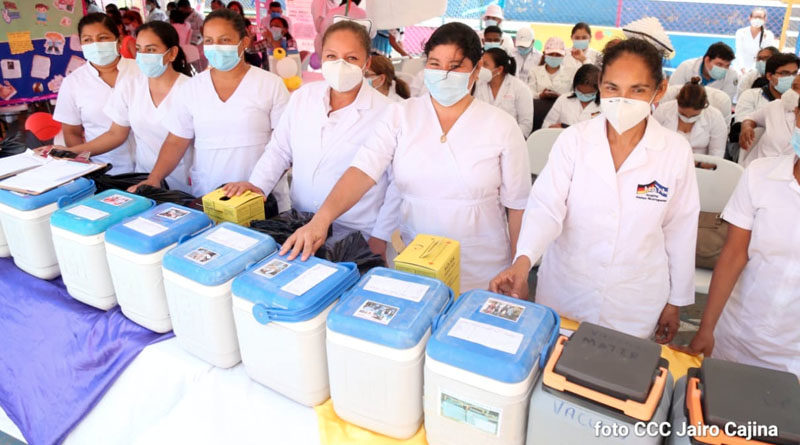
524,51
796,141
151,65
583,97
761,67
580,44
784,83
553,61
222,57
100,53
489,45
717,72
445,87
277,33
489,22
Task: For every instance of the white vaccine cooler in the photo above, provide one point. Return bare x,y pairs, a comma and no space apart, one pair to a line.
376,347
197,279
79,240
135,249
280,308
26,222
5,252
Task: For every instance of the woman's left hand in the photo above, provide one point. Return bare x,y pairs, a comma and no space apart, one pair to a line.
578,55
668,324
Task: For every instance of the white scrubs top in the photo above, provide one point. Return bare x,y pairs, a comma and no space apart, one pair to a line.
778,126
619,245
560,81
569,110
526,63
709,134
746,81
592,57
458,186
81,99
691,68
513,97
747,47
749,102
759,323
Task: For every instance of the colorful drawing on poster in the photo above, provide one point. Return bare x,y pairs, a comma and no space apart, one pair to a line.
7,91
55,84
11,68
10,11
75,42
65,21
41,13
40,68
74,63
54,43
19,42
65,5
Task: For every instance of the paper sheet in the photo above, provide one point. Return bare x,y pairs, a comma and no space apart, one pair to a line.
486,335
396,288
21,162
75,62
229,238
11,68
145,226
87,212
40,69
48,176
75,42
308,279
20,42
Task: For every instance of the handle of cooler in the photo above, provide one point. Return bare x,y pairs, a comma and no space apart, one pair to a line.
548,348
438,319
188,236
695,409
640,411
76,196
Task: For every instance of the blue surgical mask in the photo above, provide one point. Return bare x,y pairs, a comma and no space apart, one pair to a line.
490,22
447,87
784,83
524,51
151,65
274,14
277,33
222,57
796,141
717,72
100,53
583,97
553,61
489,45
761,67
580,44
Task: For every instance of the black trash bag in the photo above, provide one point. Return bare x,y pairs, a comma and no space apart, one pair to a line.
13,145
280,227
161,196
105,182
353,249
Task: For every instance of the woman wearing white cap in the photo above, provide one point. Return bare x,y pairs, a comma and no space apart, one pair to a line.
750,39
550,79
580,53
494,17
526,56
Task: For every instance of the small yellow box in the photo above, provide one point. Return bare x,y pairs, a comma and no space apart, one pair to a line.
238,209
432,256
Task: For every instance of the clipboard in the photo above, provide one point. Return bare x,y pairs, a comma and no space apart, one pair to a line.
48,176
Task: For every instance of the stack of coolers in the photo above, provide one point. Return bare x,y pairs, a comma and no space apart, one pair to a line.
280,308
376,339
135,250
198,274
79,241
600,378
481,366
725,402
26,222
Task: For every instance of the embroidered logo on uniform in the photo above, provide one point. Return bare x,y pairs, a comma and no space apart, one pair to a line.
652,192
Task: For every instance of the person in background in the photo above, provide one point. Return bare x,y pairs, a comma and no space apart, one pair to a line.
349,9
583,104
324,125
171,6
127,47
85,91
277,36
194,20
132,21
780,71
154,12
217,4
501,88
453,181
381,76
177,19
713,69
750,39
319,10
228,110
388,39
492,36
526,56
237,8
494,17
755,78
689,115
112,9
776,118
123,9
550,79
92,6
275,9
615,210
580,53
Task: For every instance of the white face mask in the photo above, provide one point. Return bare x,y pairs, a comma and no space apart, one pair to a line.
756,23
689,120
623,113
789,100
485,75
342,76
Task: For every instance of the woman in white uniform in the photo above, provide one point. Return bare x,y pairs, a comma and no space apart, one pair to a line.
690,115
580,53
229,111
582,105
753,301
615,209
752,38
84,92
455,181
320,132
748,79
779,73
777,120
381,76
504,90
140,100
551,79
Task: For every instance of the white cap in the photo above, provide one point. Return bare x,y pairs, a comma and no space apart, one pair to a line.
493,11
525,37
650,29
554,45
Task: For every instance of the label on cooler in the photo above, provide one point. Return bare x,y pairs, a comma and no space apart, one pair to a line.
87,212
502,309
201,255
172,213
145,226
231,239
479,416
308,279
397,288
116,200
377,312
486,335
272,269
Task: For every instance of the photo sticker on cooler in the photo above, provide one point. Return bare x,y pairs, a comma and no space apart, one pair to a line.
116,200
273,268
172,213
478,416
377,312
201,255
502,309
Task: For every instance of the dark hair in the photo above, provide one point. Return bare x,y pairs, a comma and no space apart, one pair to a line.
285,25
124,8
581,25
217,2
460,35
779,60
155,2
112,6
639,47
344,2
692,95
501,59
382,65
171,4
494,28
169,37
588,74
98,17
348,25
275,5
235,19
177,16
133,16
182,3
772,50
720,50
235,3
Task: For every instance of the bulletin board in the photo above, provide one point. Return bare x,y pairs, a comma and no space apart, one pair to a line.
39,46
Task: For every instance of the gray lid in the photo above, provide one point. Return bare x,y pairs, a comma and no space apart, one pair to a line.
733,392
608,361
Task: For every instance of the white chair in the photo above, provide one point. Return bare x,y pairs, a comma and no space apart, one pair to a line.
716,187
539,144
716,98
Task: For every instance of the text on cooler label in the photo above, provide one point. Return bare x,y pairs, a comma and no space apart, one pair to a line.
87,212
397,288
229,238
145,226
486,335
308,279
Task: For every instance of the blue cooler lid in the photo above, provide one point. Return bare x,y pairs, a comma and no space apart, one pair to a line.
293,291
157,228
94,215
495,336
218,254
64,195
390,308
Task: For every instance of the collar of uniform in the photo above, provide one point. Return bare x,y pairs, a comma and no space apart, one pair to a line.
703,79
651,139
122,66
783,170
363,99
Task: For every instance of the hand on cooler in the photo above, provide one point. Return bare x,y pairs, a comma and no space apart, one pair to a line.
514,280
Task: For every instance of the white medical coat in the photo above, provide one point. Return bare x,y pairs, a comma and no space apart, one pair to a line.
513,97
709,134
